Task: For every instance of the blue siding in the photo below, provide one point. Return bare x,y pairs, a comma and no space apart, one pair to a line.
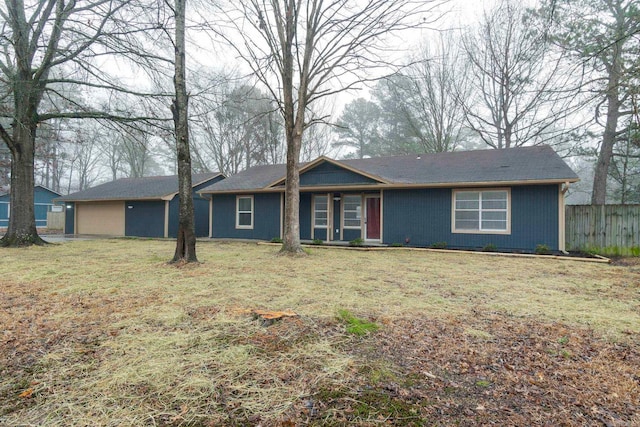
200,211
349,234
329,174
266,217
305,215
144,218
69,218
423,217
43,200
4,211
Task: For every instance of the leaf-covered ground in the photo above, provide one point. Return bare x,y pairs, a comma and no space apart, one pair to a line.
105,333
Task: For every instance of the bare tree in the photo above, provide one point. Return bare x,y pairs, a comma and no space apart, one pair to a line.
439,84
303,51
39,40
186,241
520,91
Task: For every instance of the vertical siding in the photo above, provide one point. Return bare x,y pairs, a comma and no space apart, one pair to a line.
4,212
330,174
266,217
306,211
144,218
69,218
423,217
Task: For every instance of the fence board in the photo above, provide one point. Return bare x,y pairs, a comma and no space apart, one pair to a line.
614,229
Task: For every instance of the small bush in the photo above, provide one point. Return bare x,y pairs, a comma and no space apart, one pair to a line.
356,242
489,247
635,251
439,245
356,325
543,250
276,240
396,245
317,242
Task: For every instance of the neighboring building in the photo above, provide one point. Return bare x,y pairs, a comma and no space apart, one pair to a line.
141,207
43,203
511,199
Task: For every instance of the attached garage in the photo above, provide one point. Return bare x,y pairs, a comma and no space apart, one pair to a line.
139,207
102,218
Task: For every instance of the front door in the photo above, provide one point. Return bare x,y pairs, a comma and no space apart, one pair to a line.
372,217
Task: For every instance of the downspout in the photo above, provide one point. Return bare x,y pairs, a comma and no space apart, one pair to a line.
561,218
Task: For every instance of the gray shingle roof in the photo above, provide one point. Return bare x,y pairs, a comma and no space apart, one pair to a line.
152,187
508,165
523,164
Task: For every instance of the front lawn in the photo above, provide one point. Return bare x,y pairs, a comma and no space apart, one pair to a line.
105,333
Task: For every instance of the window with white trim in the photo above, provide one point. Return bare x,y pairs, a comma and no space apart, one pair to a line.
320,211
481,211
244,212
352,211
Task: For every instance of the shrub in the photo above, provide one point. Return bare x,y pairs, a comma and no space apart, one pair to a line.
356,325
543,249
489,247
276,240
317,242
396,245
635,251
356,242
439,245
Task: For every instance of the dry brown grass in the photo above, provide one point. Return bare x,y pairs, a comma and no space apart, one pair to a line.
106,333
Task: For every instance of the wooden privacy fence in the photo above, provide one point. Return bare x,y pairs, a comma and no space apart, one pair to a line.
611,229
55,220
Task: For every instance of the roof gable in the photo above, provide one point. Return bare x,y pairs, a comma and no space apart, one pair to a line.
324,171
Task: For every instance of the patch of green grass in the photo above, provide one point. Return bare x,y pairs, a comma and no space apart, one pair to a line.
276,240
356,325
482,383
317,242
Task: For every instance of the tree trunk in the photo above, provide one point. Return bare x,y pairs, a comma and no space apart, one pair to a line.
291,241
22,223
186,239
599,195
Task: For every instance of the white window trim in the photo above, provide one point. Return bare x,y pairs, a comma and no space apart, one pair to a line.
352,227
453,212
313,204
244,227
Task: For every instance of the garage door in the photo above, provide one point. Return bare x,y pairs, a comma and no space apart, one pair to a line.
100,218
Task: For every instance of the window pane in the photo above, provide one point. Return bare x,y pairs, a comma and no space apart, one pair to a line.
468,195
244,219
495,216
468,215
494,204
467,204
351,211
494,225
244,204
494,195
466,225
